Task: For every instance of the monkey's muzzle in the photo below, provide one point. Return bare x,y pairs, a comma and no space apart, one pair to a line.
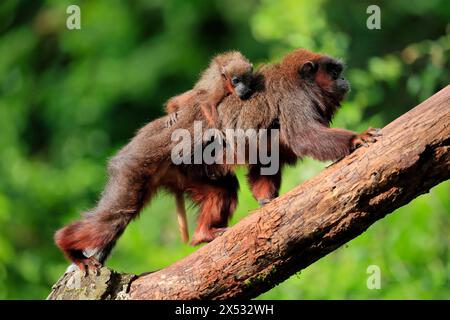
242,91
342,86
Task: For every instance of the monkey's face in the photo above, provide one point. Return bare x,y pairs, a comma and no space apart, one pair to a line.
241,85
327,74
319,74
240,78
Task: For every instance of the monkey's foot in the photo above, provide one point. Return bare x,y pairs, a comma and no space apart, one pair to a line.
363,139
207,235
219,231
173,118
88,265
263,202
336,161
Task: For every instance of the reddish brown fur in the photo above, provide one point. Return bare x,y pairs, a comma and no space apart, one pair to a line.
303,107
136,173
300,103
214,85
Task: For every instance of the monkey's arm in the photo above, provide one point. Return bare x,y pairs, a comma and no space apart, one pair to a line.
323,143
209,106
320,142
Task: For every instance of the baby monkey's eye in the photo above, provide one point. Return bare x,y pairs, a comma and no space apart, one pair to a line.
235,80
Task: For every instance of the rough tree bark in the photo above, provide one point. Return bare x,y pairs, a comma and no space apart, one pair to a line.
300,227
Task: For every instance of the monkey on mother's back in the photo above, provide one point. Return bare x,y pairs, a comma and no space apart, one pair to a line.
229,73
298,96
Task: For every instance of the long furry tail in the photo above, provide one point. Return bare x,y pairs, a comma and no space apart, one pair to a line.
89,237
181,217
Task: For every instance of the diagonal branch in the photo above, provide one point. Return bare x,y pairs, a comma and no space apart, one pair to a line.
303,225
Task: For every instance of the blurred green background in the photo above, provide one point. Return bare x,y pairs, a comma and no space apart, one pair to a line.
70,98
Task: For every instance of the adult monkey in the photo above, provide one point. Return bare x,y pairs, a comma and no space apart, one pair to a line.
299,95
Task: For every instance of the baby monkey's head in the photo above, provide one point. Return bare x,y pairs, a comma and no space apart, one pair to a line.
237,72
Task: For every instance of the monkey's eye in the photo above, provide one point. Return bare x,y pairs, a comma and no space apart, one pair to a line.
235,81
334,74
334,70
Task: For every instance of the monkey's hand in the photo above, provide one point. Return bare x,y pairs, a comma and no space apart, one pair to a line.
173,118
363,139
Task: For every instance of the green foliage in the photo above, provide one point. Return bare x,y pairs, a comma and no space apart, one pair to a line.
70,99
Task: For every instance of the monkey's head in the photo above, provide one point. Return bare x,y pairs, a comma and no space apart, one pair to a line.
321,75
237,71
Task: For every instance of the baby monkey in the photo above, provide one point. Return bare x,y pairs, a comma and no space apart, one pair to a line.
228,73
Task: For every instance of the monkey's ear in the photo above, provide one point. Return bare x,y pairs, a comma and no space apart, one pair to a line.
308,70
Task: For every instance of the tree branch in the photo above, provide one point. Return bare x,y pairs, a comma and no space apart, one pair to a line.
303,225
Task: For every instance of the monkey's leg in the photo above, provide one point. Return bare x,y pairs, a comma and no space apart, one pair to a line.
90,240
210,113
264,187
214,114
178,102
209,107
175,104
218,200
172,105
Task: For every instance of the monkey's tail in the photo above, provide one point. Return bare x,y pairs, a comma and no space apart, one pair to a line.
181,216
89,237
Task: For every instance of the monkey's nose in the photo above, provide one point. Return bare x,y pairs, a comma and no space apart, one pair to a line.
343,86
243,93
